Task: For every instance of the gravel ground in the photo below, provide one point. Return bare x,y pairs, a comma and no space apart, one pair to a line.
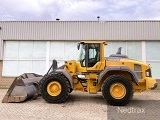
82,106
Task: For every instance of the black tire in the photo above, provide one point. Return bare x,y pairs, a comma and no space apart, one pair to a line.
70,90
107,94
65,88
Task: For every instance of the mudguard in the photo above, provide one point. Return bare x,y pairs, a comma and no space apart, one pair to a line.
67,75
119,68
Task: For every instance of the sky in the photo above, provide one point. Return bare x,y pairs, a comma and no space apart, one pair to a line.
79,10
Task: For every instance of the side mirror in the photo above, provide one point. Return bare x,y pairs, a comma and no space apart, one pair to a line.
78,46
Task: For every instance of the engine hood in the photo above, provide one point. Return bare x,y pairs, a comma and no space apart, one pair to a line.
134,61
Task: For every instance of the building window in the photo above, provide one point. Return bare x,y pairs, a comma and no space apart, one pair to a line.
24,56
153,57
130,48
36,56
62,51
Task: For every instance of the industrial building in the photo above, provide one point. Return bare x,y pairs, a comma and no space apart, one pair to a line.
30,46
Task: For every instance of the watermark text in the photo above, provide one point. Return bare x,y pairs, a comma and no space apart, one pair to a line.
130,110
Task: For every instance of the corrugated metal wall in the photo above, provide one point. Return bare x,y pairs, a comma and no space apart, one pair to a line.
79,30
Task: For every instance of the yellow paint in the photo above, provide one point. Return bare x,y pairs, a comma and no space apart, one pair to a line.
91,88
78,86
117,90
150,82
54,88
91,74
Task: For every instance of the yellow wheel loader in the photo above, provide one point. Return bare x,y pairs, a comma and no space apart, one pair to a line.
117,77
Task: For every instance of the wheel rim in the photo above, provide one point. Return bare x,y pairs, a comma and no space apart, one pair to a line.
117,90
54,88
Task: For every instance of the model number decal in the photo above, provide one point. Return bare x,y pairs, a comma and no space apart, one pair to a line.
113,59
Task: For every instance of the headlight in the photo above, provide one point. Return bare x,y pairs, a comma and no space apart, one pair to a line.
148,73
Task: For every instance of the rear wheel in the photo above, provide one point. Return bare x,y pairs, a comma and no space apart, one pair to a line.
117,90
55,88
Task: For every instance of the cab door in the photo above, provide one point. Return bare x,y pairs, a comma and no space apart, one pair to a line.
90,57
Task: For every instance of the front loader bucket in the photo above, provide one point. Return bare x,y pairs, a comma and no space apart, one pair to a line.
23,87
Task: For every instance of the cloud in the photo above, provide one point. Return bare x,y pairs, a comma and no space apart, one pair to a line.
82,10
17,9
79,9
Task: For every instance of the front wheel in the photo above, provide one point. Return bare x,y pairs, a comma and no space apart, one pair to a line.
55,88
117,90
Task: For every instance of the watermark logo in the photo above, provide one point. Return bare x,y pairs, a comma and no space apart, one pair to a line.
136,110
130,110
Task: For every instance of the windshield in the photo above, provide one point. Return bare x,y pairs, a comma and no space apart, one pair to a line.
82,53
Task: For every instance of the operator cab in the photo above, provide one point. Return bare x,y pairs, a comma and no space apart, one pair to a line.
89,54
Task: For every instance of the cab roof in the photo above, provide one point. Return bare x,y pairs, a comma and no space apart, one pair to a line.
94,41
